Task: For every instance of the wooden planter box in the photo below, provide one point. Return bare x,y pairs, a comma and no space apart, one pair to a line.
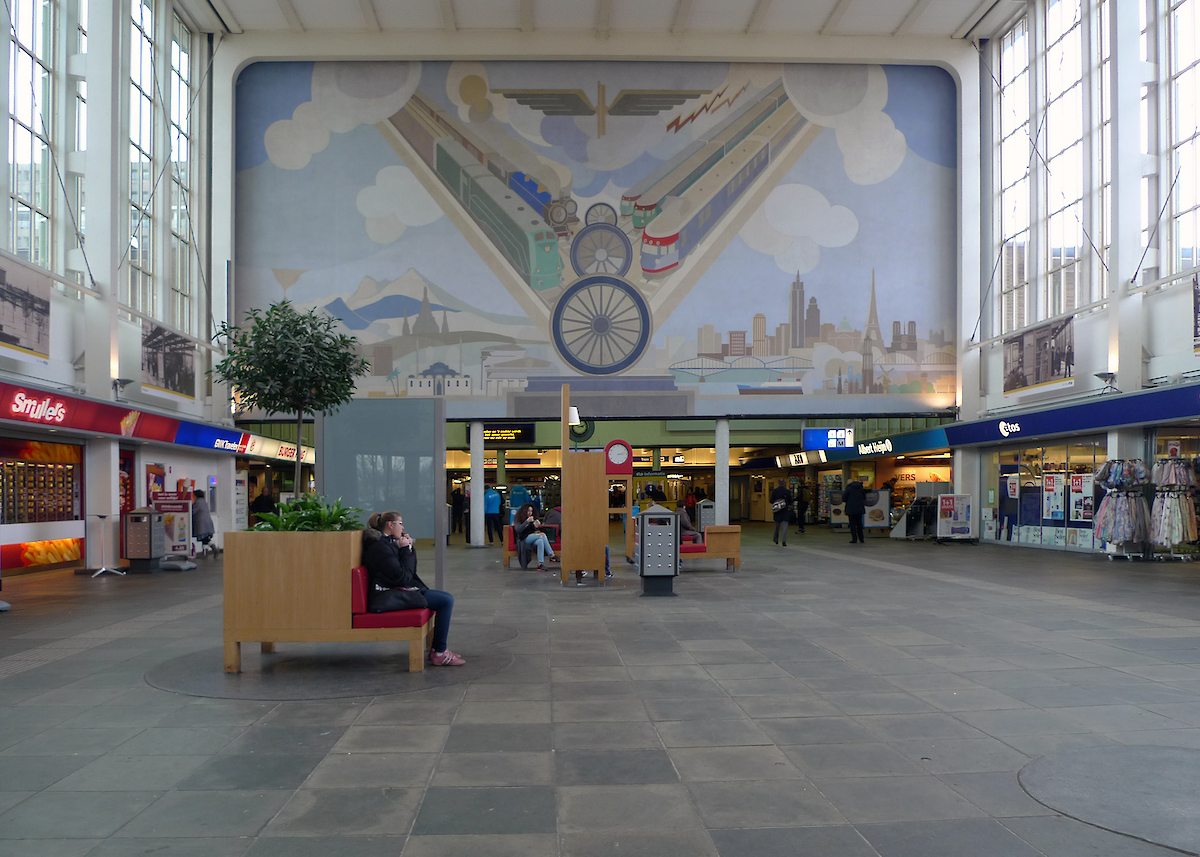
290,587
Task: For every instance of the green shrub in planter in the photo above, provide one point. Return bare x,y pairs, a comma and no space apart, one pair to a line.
310,514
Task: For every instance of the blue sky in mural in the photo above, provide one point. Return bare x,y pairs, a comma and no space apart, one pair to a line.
922,102
267,91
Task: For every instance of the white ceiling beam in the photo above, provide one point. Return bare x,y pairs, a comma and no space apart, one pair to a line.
914,15
226,15
758,16
603,17
449,22
289,14
682,12
526,16
829,28
973,19
370,19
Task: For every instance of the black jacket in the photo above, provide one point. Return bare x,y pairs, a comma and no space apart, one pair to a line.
782,493
391,566
855,498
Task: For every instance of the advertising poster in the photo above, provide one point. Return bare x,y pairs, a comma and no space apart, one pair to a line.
1082,497
241,502
168,363
954,517
1053,489
176,507
1013,485
24,313
879,510
1041,358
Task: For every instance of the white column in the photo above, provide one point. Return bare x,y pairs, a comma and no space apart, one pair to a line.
106,164
721,492
1126,443
966,473
1125,310
101,463
477,486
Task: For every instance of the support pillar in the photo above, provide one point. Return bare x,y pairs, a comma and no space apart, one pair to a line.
477,486
102,462
501,479
721,498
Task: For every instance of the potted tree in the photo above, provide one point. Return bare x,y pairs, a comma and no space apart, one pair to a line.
289,578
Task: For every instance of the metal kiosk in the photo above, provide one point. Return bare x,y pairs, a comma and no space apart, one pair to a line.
656,550
706,513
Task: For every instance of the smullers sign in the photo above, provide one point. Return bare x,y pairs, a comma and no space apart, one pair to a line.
45,410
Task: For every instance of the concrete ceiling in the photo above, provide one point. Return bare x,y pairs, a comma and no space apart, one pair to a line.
896,18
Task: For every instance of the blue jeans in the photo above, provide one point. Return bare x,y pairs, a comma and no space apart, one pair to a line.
542,543
442,605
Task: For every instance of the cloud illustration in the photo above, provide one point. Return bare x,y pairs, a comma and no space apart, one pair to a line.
395,202
794,223
850,99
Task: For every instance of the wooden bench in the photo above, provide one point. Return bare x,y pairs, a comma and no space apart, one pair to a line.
273,596
720,542
510,544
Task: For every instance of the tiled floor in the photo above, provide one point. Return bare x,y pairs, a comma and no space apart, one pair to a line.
828,699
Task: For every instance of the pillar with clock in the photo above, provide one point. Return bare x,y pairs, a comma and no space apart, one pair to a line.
618,465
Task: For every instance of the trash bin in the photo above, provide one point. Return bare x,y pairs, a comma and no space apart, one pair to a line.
145,538
656,550
707,514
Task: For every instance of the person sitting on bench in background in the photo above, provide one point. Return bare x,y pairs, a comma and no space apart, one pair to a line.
391,563
527,531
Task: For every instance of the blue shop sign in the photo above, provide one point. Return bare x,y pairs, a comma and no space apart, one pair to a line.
1152,406
926,440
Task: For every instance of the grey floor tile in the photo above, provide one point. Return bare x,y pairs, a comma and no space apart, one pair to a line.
495,769
679,689
691,843
137,773
250,771
503,712
599,710
795,705
287,739
72,740
498,737
324,846
599,735
493,845
73,815
525,809
998,794
179,741
207,814
334,713
979,837
346,812
963,755
1117,718
815,730
569,691
878,703
372,770
843,841
763,803
613,767
219,714
733,763
693,709
414,738
172,847
872,800
837,761
711,733
51,847
34,773
1064,837
626,809
899,727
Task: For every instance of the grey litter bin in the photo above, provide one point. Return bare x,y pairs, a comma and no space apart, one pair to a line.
145,539
707,514
656,550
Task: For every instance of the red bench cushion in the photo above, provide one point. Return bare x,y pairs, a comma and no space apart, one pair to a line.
687,547
395,619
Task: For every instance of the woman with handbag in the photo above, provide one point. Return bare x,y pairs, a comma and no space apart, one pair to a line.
391,563
527,530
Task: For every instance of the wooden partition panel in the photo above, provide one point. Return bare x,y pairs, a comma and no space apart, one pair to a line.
584,512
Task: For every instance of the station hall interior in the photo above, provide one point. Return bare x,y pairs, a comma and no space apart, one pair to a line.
635,263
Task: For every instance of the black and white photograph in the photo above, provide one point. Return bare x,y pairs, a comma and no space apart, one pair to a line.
24,312
168,362
1040,357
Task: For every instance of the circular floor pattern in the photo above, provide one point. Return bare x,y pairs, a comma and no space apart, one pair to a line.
302,671
1143,791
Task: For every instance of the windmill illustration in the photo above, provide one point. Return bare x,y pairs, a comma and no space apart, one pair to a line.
575,102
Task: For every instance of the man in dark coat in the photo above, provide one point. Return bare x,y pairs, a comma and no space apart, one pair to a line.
781,505
855,498
456,510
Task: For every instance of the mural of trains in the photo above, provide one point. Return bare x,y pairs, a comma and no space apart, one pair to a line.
520,233
421,122
644,201
689,217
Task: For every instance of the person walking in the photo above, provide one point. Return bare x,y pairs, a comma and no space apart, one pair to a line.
781,505
456,510
855,498
801,509
491,513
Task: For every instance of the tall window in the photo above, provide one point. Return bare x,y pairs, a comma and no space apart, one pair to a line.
30,130
180,272
80,47
1062,151
1183,21
138,287
1013,154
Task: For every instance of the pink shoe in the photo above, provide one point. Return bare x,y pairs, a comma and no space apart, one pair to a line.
445,659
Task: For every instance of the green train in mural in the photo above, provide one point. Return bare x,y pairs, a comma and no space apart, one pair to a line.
520,233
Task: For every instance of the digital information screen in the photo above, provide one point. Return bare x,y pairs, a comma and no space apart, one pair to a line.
832,438
508,433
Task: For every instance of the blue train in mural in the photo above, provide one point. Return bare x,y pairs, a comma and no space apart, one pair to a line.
734,160
523,236
644,201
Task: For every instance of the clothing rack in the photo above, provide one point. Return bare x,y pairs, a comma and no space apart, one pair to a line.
1123,519
1173,516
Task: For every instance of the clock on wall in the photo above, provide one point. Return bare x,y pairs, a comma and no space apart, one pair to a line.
618,459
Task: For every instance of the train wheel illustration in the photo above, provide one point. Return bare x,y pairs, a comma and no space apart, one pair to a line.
601,325
601,212
601,249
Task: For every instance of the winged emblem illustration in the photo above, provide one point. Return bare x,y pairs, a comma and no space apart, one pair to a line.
575,102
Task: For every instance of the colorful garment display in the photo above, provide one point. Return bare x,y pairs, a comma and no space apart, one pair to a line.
1173,519
1122,473
1123,516
1172,472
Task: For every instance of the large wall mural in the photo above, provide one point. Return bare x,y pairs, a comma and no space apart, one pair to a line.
671,238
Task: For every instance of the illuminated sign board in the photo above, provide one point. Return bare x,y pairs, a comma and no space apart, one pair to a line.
508,433
800,459
831,438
